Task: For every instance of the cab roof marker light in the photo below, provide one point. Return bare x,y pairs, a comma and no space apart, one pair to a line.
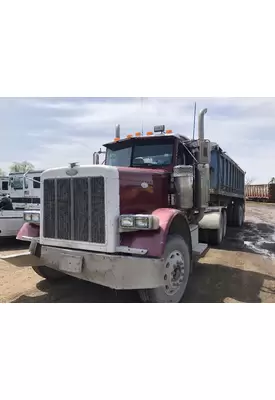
129,136
169,131
138,134
149,133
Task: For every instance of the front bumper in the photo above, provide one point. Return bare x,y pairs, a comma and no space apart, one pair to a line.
119,272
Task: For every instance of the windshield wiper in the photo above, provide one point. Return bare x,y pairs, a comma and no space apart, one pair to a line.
146,165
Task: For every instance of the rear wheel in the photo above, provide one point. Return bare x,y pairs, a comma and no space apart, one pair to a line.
48,273
229,215
177,265
238,215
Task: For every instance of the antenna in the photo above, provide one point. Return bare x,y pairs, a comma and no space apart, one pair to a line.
141,115
194,123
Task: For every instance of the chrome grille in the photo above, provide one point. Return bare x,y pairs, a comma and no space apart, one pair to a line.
74,209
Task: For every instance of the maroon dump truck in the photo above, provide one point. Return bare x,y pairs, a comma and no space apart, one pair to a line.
137,222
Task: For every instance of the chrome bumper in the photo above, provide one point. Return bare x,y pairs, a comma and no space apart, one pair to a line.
113,271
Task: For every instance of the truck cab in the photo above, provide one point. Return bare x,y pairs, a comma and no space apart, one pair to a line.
24,189
158,160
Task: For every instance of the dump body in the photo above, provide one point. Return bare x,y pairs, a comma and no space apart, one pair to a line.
262,192
226,177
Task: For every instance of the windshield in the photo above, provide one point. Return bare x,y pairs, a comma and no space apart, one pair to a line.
137,155
16,183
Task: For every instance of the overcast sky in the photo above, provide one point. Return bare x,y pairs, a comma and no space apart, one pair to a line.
50,132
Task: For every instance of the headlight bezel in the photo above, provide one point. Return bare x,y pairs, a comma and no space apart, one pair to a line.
150,222
32,217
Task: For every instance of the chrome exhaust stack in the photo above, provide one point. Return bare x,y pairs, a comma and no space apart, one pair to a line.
201,123
96,158
202,174
117,131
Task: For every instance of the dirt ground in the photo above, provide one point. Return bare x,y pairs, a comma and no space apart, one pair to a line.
241,270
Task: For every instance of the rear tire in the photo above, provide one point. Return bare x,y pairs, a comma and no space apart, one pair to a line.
177,266
48,273
230,215
238,215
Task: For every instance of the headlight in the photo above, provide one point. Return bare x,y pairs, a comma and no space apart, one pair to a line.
36,217
32,216
138,222
142,222
27,217
127,221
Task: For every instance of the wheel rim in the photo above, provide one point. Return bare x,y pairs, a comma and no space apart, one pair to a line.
174,273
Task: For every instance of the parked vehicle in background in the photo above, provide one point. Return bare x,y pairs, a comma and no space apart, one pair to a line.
261,192
24,189
4,186
139,221
24,192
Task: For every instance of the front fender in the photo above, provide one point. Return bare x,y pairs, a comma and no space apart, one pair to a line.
153,241
28,230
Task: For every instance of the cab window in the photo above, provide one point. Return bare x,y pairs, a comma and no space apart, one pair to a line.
36,182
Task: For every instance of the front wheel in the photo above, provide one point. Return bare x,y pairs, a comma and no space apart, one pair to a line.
177,266
48,273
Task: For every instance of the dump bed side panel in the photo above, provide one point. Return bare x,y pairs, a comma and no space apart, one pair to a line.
226,177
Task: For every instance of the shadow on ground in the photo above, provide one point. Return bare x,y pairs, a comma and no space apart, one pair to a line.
209,284
213,283
71,290
10,244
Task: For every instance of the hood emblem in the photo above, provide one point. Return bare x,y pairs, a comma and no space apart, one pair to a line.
72,171
144,185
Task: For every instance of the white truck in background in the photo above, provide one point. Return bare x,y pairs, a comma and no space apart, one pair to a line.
4,186
24,192
24,189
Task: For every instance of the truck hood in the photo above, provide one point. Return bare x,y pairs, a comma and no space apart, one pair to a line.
143,190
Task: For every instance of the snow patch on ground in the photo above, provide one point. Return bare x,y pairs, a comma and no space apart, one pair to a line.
258,241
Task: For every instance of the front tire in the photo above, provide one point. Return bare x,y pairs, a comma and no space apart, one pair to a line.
48,273
177,266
